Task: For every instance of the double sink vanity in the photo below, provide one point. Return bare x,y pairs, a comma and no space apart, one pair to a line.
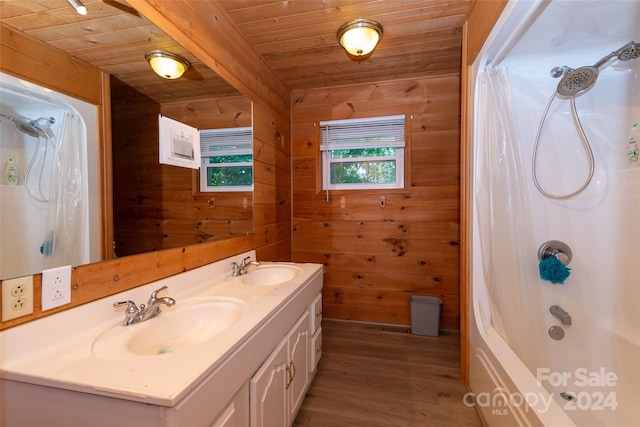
225,349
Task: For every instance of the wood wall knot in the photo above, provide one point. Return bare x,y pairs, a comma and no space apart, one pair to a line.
410,88
398,246
350,105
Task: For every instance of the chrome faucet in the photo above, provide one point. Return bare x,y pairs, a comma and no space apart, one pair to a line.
134,315
240,269
561,314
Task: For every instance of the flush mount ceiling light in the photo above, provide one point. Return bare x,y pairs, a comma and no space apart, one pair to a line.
360,37
78,6
167,64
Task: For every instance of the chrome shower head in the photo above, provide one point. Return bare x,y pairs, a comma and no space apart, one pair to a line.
577,81
28,128
626,53
629,51
33,128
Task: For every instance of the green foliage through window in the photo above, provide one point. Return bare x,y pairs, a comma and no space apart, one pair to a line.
234,176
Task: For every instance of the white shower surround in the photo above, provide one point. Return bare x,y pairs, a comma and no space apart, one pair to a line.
23,220
602,225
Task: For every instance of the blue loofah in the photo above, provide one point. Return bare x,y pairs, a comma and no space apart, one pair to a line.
46,248
553,270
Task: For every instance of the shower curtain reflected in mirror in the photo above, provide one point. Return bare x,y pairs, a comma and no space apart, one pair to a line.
67,208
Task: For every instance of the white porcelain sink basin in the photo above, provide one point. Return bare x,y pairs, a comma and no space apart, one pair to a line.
186,324
270,275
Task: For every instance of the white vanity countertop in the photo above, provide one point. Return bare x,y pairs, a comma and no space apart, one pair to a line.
58,350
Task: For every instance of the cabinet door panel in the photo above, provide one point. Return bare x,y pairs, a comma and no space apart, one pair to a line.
316,349
299,361
227,419
268,390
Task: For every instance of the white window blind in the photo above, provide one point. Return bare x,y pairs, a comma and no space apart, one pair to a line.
223,142
375,132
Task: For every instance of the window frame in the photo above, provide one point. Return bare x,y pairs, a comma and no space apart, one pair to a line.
401,157
206,154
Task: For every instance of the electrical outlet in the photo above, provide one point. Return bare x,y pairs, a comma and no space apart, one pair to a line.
17,297
56,287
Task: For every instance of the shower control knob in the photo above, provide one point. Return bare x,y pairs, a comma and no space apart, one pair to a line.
555,248
556,332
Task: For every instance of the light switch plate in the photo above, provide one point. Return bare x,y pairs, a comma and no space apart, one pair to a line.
17,297
56,287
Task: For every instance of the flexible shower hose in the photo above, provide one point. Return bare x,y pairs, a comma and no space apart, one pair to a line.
585,144
41,198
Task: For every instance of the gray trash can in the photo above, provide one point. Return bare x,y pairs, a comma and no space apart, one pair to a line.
425,315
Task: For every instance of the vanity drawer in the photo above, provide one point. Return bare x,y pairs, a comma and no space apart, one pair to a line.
315,313
316,349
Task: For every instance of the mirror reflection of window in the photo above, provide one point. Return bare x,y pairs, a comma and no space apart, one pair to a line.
226,159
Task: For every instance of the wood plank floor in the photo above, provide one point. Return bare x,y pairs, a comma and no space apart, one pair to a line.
368,377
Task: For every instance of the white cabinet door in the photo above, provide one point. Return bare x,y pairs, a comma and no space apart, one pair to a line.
268,390
236,413
299,364
228,417
279,386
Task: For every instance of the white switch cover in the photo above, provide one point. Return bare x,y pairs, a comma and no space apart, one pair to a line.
56,287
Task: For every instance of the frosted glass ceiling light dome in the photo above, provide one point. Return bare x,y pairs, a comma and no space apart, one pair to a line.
78,7
167,64
360,37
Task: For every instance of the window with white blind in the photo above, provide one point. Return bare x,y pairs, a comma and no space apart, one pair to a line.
226,159
363,153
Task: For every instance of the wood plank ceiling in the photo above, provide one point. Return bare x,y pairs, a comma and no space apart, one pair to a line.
297,38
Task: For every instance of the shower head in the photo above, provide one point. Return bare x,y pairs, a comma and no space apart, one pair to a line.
28,129
35,128
626,53
629,51
575,82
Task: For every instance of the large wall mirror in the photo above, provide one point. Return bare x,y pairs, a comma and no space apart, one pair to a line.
155,206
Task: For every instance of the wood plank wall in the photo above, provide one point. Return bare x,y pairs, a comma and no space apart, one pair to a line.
272,156
137,216
376,258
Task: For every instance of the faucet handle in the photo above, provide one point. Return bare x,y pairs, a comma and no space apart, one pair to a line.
243,264
154,294
131,306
